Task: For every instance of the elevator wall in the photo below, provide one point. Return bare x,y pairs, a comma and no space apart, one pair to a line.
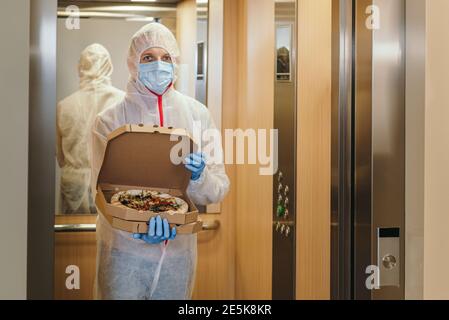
436,184
14,67
314,149
255,95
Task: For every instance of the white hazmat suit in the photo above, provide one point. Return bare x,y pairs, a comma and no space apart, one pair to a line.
128,268
75,117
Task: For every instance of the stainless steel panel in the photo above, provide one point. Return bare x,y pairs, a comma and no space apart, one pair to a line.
379,138
368,125
41,183
341,219
284,188
389,257
388,119
362,156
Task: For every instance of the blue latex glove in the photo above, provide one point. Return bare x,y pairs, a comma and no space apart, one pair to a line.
158,232
196,164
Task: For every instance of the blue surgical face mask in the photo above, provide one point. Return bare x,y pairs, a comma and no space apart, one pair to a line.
156,76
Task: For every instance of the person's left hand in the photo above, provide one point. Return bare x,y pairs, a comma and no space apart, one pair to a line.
195,163
158,232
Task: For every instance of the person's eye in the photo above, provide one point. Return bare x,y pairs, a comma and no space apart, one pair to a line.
147,59
166,58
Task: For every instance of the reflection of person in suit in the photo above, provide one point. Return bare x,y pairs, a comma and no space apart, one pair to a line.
283,61
76,115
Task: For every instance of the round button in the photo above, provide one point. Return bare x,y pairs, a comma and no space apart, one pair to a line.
287,231
389,262
280,176
280,198
278,225
280,188
282,228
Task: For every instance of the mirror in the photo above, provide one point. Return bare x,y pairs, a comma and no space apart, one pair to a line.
111,25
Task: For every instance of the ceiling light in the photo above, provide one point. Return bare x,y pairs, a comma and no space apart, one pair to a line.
131,8
87,14
140,19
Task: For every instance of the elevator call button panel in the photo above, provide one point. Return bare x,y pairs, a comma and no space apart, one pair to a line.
388,257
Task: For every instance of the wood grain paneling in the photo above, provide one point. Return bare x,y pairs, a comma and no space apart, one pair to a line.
77,249
314,157
216,250
255,110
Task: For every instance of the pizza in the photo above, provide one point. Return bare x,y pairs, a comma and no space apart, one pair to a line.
150,201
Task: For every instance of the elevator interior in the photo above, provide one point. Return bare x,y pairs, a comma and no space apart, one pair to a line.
69,26
367,148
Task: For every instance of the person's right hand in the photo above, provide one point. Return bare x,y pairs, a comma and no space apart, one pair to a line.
158,231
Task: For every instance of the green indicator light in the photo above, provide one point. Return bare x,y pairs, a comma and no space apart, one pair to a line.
280,211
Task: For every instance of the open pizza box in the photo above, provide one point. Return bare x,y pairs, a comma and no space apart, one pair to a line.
138,157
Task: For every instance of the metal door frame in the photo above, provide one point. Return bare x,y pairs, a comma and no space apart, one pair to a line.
42,150
366,117
341,180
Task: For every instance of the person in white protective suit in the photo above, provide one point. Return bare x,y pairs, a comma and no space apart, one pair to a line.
75,117
143,267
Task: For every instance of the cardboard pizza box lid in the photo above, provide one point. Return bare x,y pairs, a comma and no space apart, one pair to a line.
140,156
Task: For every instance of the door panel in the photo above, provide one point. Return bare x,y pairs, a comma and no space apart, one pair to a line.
389,138
254,198
313,151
